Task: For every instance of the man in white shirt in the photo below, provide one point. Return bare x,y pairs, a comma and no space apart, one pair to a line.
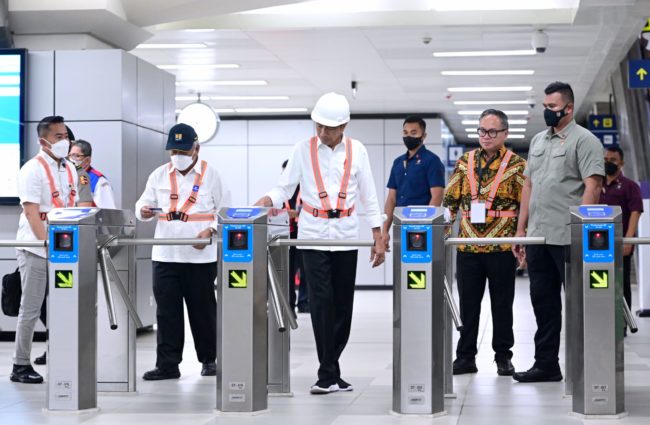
184,195
45,182
334,173
81,155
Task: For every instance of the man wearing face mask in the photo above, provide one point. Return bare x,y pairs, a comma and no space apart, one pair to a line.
565,168
417,177
45,182
184,195
621,191
102,193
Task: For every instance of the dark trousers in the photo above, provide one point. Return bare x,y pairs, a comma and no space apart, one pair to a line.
331,276
627,288
194,283
546,271
499,268
295,265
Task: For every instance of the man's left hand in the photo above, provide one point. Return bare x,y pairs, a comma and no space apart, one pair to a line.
628,249
378,252
203,234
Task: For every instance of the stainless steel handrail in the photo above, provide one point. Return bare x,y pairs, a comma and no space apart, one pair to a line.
533,240
22,244
629,317
453,308
108,294
321,242
280,303
106,256
636,241
160,242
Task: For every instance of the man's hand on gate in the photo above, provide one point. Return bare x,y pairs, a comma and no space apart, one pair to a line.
378,252
146,212
203,234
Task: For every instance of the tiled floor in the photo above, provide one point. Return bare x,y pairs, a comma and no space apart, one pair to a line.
483,398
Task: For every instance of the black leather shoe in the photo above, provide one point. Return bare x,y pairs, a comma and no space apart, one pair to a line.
462,366
25,374
504,367
209,369
535,374
156,374
41,360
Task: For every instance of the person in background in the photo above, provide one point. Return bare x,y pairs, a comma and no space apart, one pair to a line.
626,193
102,194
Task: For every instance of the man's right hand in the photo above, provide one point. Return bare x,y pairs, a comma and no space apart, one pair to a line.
146,212
386,240
519,251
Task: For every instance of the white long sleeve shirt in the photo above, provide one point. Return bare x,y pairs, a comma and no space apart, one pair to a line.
34,187
156,194
103,194
361,189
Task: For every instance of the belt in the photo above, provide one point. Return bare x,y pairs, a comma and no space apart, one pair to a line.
496,214
181,216
333,213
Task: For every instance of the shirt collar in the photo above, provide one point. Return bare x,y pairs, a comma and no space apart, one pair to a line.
196,168
319,143
417,155
564,133
51,160
500,153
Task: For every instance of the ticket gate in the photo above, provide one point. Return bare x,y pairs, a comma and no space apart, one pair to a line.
74,237
249,275
595,316
419,311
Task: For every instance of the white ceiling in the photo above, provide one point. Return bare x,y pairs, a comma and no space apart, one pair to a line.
302,55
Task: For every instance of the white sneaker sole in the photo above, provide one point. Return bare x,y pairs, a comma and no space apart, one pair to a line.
315,389
349,388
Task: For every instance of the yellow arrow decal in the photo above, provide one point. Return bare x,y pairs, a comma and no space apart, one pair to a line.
641,73
64,279
596,122
238,281
417,280
599,281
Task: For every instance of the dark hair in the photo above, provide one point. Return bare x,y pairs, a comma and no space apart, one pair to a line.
70,134
615,149
44,125
85,147
563,88
414,119
284,164
497,113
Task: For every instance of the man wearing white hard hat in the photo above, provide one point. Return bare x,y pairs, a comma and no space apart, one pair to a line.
334,174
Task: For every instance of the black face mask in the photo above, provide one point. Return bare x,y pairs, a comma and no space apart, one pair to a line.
552,118
412,142
610,168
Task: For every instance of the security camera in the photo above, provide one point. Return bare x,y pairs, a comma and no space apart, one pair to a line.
531,101
426,40
540,41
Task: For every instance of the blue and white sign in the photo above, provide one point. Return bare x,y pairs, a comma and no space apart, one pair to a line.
639,74
57,253
596,211
454,152
237,255
419,212
598,255
605,128
242,212
416,256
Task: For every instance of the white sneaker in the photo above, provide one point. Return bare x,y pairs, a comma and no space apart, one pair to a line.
321,388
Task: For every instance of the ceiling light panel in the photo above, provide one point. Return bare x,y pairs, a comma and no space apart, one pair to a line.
488,89
490,102
200,66
483,53
505,112
171,46
513,122
488,73
223,83
182,98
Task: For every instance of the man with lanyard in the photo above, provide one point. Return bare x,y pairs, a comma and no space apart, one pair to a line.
417,177
334,173
45,182
486,188
102,193
626,193
184,195
565,168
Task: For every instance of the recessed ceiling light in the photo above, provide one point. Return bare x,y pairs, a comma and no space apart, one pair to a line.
505,72
517,130
264,110
505,112
182,98
171,46
513,122
201,66
490,102
222,83
510,136
488,89
480,53
199,30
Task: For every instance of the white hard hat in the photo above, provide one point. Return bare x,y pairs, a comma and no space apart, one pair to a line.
331,110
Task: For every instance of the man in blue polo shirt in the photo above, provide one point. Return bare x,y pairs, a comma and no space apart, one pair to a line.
417,177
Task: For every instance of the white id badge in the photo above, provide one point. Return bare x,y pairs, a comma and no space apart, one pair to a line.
477,213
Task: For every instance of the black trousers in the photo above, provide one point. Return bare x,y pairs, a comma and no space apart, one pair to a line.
295,265
546,270
627,288
499,268
194,283
331,276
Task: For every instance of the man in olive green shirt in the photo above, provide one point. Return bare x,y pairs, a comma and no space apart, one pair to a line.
565,168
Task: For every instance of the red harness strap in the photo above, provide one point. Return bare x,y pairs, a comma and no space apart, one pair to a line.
56,196
495,185
182,214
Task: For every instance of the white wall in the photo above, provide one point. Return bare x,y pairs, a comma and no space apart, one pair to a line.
249,155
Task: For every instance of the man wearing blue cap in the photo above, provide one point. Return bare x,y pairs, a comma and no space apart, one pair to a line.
184,196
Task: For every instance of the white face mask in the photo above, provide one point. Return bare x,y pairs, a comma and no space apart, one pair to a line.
77,162
181,162
60,149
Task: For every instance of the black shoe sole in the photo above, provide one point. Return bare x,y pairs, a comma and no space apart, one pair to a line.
25,380
551,378
465,370
161,377
505,372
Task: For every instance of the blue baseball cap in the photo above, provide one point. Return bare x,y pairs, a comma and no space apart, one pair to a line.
181,137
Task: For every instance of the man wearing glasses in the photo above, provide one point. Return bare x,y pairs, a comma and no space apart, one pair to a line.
102,193
486,189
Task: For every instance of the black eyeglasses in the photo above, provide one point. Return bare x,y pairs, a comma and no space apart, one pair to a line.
491,132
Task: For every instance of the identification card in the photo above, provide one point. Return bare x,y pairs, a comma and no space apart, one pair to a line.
477,213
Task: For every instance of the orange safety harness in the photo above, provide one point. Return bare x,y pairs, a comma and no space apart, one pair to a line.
56,196
182,214
287,206
328,211
493,191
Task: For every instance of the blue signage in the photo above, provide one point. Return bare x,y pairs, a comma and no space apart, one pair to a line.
242,212
237,243
598,252
639,74
454,152
416,243
63,244
596,211
605,128
419,212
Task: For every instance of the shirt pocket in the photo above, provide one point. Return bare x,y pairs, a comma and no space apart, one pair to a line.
535,159
558,161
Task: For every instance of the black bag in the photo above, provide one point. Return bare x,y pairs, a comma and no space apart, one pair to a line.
12,291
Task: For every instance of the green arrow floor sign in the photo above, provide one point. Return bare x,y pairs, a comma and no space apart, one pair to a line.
63,279
238,279
416,280
599,279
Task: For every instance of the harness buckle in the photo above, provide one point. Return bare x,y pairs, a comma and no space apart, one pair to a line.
322,195
177,215
333,213
43,216
55,194
192,199
173,196
343,195
314,212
